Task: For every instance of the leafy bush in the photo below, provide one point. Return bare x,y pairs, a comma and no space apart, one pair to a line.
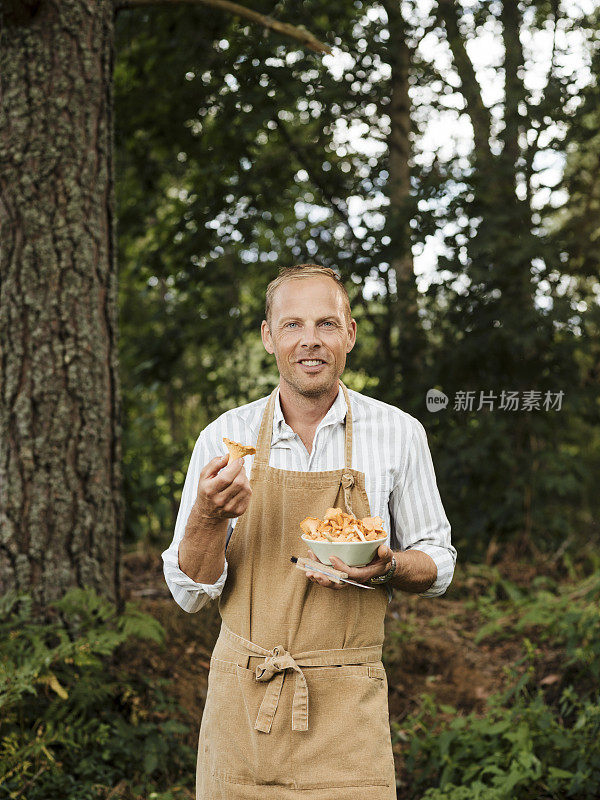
564,616
524,752
73,722
530,745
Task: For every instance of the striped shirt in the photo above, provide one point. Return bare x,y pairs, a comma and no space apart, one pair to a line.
388,445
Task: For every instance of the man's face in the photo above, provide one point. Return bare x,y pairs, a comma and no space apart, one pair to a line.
309,334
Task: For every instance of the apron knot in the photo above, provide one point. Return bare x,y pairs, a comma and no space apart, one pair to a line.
347,480
347,484
275,664
278,661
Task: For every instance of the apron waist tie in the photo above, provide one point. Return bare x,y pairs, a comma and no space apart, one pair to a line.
272,672
276,664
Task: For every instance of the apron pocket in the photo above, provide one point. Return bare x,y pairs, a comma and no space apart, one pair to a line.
233,750
348,739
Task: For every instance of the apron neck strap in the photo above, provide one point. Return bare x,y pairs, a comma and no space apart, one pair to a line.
265,434
347,475
263,444
348,432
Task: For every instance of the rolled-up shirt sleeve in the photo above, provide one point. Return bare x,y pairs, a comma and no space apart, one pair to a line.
188,594
419,521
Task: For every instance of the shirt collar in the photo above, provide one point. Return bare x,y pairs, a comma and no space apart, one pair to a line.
336,414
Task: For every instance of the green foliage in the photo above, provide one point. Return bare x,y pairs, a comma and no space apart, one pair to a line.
526,751
564,616
73,722
532,743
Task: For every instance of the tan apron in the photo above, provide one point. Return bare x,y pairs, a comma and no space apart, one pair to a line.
297,693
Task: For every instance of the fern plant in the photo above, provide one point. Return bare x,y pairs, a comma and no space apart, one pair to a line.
70,725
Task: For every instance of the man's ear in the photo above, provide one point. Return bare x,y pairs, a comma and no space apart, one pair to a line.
266,337
351,335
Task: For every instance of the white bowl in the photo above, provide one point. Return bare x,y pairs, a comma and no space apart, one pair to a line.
354,554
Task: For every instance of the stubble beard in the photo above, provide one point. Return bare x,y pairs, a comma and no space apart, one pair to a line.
312,392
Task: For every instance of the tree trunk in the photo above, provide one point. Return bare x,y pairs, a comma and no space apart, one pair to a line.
405,326
60,484
399,146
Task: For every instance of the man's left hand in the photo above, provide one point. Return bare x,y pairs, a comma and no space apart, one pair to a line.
379,565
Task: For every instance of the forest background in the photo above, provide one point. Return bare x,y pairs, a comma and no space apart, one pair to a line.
445,159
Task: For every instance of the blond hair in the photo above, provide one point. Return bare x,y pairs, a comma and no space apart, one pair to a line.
299,272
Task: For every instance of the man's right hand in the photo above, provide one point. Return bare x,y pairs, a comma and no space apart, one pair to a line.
223,491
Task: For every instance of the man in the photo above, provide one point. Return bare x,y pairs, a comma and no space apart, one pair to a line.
297,693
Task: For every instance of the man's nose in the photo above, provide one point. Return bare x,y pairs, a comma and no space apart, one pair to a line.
310,336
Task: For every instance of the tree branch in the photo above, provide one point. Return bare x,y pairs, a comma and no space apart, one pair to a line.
337,205
298,33
479,114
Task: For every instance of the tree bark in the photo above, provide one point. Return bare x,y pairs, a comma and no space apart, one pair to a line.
60,483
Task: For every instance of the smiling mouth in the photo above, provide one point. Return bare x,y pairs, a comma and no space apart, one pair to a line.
312,362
